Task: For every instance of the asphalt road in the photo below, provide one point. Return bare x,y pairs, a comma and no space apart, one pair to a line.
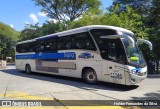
16,85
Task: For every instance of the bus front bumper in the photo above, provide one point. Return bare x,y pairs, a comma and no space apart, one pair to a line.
134,78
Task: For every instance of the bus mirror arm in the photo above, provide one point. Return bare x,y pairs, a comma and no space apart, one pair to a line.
146,42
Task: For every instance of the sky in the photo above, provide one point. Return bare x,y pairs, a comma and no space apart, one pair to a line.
17,13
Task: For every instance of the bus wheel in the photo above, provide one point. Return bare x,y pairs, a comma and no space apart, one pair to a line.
28,69
90,76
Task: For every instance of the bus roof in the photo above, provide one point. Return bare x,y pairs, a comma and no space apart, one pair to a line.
81,29
109,27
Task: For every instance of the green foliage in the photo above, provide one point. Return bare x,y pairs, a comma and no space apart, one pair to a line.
154,16
128,19
8,38
141,6
91,17
29,32
154,37
152,22
50,28
34,31
65,11
7,31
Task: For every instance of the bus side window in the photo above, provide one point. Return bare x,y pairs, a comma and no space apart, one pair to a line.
83,41
96,33
18,48
21,48
25,47
31,47
40,46
64,42
115,52
51,45
112,51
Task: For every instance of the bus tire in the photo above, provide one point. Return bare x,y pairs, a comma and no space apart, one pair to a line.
90,76
28,69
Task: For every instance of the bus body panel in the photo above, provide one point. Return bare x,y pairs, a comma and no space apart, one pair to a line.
88,59
116,73
105,73
21,63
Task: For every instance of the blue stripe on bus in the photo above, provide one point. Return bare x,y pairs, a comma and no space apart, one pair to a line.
66,55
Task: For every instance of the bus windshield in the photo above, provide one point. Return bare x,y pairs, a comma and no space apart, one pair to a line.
134,55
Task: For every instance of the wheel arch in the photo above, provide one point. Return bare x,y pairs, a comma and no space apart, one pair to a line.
27,64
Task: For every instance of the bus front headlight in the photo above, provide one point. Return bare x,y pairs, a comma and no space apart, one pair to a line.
133,72
136,71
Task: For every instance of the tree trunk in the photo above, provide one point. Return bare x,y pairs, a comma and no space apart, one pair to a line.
157,65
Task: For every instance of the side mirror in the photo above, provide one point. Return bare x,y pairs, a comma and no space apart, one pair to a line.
146,42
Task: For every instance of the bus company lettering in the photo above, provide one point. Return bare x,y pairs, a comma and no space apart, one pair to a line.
116,76
86,55
69,55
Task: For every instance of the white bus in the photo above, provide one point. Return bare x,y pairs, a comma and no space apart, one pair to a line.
93,53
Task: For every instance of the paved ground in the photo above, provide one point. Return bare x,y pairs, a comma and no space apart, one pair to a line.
18,85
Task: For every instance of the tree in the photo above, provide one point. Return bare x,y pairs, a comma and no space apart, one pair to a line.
34,31
91,17
154,16
49,28
142,6
66,11
8,38
152,21
29,32
154,37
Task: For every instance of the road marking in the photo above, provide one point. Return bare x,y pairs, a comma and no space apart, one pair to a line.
22,95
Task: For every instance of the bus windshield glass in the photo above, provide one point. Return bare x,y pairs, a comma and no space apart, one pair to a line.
134,55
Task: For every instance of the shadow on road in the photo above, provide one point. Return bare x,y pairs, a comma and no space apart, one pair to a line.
149,96
71,81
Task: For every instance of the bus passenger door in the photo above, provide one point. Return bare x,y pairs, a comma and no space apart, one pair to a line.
116,61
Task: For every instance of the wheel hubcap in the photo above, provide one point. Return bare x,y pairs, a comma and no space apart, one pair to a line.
91,76
28,70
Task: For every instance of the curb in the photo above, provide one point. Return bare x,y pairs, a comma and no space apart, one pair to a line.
153,75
